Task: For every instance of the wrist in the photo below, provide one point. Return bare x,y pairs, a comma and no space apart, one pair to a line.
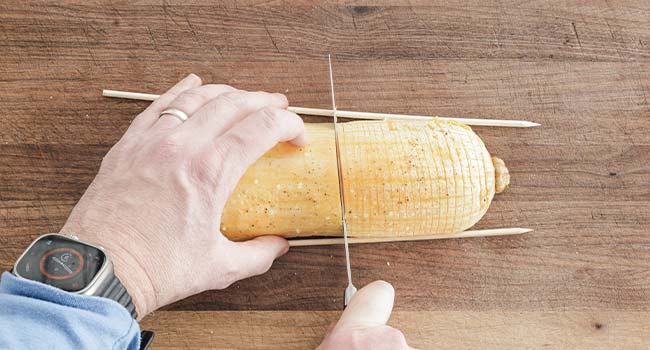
135,280
126,266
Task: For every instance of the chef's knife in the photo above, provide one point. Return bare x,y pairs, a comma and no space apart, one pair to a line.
351,289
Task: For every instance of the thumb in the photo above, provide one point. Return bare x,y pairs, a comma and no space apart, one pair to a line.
371,306
256,256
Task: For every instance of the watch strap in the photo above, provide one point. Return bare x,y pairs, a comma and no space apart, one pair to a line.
115,290
146,338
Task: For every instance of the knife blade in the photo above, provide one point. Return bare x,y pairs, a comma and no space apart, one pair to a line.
351,289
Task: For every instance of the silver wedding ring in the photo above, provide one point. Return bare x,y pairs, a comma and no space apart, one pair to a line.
176,113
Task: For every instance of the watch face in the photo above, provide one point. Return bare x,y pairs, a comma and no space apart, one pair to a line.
61,262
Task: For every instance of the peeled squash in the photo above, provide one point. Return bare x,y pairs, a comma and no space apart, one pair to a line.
401,178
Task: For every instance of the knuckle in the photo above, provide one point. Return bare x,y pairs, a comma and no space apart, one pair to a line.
202,169
271,119
203,94
169,147
173,140
195,94
234,99
218,87
233,142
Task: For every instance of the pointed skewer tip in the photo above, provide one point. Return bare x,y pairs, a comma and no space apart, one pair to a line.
525,230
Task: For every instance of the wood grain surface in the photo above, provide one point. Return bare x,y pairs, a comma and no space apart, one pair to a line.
441,330
582,180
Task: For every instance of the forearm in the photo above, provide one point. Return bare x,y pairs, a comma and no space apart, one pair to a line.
36,316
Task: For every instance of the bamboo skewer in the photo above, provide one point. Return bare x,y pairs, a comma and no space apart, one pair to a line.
381,116
352,114
463,234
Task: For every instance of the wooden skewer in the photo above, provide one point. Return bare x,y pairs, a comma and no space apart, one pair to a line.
352,114
381,116
465,234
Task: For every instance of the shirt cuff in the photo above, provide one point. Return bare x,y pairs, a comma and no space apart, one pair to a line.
36,315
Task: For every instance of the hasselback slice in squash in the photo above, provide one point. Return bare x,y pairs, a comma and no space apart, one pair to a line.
401,178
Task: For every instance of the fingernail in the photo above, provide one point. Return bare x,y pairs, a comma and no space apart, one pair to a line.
285,250
192,76
283,97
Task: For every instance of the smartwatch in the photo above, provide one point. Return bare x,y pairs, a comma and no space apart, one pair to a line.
65,262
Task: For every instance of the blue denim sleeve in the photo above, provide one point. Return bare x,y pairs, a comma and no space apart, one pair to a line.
37,316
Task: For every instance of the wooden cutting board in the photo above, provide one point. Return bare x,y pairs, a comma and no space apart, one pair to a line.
582,180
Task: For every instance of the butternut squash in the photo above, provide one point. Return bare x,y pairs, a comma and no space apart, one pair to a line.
401,178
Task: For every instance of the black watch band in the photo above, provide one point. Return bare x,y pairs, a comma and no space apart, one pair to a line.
115,290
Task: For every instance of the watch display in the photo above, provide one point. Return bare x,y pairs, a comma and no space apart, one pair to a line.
61,262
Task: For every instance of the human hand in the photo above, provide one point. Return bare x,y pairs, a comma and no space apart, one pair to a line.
363,323
156,203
